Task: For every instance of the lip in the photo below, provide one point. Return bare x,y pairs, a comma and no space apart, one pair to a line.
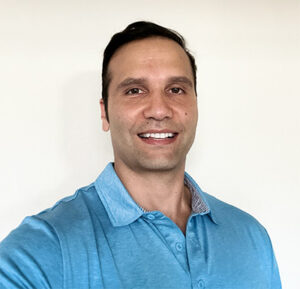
158,131
157,141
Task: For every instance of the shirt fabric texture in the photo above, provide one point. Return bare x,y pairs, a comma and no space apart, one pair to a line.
100,238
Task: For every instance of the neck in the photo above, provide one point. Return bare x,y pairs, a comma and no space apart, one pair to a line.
162,191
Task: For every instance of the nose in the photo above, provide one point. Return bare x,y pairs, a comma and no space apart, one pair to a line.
158,107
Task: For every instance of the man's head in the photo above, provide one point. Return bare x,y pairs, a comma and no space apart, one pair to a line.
137,31
152,105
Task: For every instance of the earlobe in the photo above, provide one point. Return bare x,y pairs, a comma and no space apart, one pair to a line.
105,123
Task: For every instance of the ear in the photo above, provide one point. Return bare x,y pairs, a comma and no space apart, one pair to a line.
105,123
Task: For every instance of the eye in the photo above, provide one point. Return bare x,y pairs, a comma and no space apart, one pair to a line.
134,91
176,90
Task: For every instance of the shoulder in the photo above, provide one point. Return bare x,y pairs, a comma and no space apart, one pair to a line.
73,215
71,208
236,222
225,212
33,255
243,234
67,211
28,254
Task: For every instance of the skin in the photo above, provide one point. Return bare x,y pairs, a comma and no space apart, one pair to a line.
152,91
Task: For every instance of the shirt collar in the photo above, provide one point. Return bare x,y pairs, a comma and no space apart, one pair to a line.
123,210
200,204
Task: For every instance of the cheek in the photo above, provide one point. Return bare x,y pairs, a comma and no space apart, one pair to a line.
122,122
191,116
191,111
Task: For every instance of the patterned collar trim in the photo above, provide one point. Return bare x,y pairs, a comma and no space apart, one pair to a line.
198,205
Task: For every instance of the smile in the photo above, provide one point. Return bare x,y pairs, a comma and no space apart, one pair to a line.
158,138
157,135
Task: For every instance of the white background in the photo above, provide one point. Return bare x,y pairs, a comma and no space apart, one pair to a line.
247,146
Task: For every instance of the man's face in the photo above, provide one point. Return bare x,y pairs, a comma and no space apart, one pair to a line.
152,105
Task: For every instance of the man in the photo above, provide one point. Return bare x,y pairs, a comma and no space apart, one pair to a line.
144,223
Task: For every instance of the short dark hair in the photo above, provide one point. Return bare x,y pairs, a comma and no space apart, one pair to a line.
136,31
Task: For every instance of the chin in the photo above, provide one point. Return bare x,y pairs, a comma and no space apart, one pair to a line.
159,164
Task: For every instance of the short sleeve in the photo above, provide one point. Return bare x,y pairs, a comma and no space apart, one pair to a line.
30,257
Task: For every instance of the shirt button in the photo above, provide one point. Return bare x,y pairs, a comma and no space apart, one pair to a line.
201,284
150,217
178,246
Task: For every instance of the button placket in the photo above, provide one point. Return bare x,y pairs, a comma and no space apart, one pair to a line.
196,253
174,238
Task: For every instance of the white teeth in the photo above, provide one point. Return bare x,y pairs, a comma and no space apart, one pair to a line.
157,135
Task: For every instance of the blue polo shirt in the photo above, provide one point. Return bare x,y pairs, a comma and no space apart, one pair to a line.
100,238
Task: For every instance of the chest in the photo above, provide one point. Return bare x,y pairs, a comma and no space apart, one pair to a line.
153,253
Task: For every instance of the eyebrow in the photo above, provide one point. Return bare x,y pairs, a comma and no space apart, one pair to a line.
181,79
131,81
141,81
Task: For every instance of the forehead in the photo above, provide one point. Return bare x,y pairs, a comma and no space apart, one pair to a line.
153,56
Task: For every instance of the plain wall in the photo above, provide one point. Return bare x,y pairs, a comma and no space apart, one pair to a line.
247,147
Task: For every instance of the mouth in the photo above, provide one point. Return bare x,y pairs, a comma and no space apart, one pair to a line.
158,136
